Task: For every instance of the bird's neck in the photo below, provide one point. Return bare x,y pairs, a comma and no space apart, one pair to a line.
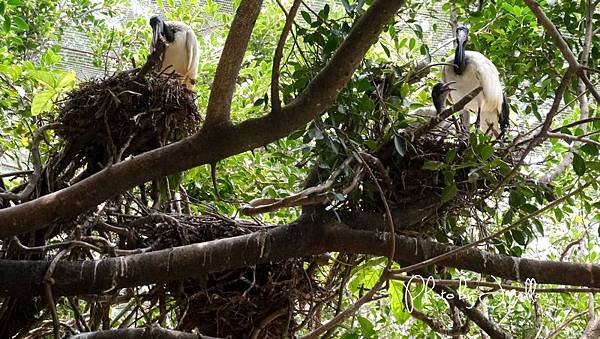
460,61
169,33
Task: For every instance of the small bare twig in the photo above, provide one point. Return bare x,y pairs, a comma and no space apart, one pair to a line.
153,61
574,138
309,196
48,282
289,20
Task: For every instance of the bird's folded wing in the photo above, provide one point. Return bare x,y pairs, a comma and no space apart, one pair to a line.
191,45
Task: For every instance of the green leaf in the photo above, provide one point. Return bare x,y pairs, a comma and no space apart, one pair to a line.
50,58
43,101
45,77
539,226
508,217
6,24
451,155
396,296
578,164
529,208
558,214
67,80
433,165
20,23
324,13
306,17
519,237
590,149
366,327
486,152
366,278
516,199
449,192
14,2
160,3
399,145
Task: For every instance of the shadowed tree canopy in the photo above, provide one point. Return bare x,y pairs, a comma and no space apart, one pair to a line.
334,209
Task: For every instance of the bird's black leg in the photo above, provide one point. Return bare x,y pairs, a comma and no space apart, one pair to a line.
504,116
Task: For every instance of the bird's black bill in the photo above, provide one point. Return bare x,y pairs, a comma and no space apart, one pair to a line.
157,30
446,87
462,35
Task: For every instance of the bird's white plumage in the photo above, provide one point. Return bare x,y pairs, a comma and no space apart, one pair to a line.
479,71
181,55
427,113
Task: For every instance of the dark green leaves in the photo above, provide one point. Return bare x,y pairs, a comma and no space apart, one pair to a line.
433,165
306,17
578,164
449,192
516,199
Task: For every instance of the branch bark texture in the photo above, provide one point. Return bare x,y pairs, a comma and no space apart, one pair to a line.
230,63
294,240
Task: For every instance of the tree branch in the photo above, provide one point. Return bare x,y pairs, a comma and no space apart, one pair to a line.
230,63
289,20
25,277
447,112
455,252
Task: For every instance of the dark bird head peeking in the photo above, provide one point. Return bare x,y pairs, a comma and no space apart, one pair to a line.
462,36
160,28
439,93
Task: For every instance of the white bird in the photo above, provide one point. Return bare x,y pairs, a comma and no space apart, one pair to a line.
473,70
181,52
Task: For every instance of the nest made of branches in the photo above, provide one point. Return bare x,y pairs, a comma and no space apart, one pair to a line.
106,120
237,302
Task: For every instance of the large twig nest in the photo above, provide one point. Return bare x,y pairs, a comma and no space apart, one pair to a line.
236,303
108,119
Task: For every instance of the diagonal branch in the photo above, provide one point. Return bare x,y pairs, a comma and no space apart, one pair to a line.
289,20
230,63
446,113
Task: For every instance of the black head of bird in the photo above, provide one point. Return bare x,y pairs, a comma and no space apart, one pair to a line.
439,93
462,36
160,29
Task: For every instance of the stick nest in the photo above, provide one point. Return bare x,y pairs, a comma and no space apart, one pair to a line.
236,302
106,120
